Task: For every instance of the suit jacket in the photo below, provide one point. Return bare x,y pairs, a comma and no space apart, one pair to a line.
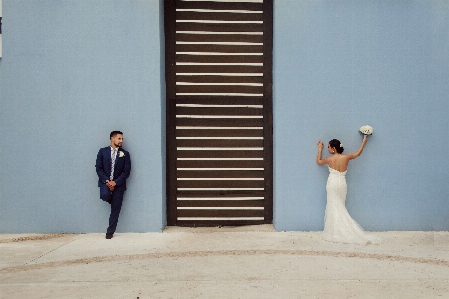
122,167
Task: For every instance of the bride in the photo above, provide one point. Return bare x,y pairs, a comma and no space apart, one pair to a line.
338,224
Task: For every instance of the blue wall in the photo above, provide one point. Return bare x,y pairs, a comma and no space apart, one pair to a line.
339,65
71,72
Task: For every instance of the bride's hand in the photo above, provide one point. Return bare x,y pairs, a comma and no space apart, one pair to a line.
320,144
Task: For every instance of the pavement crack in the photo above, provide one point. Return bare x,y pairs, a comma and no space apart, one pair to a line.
190,254
34,238
73,239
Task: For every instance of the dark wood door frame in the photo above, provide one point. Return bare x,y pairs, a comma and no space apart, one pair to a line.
174,97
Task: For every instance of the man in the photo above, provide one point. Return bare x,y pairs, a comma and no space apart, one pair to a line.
113,168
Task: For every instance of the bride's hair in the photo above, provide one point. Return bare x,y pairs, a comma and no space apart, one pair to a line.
337,144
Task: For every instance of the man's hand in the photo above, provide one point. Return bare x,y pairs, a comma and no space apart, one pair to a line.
111,185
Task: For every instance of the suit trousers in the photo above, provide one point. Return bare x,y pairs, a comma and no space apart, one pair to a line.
116,206
115,198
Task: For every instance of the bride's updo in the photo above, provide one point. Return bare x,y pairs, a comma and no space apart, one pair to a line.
337,144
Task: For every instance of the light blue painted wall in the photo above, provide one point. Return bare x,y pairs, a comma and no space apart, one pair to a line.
339,65
72,72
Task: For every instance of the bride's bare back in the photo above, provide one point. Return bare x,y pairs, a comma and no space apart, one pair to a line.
338,162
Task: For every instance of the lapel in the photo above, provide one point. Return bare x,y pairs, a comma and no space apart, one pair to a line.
107,154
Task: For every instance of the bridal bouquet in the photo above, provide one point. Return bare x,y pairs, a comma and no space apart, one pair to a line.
366,130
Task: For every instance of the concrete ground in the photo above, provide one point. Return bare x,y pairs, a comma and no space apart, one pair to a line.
241,262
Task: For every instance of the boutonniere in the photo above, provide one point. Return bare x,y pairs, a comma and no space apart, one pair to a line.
121,154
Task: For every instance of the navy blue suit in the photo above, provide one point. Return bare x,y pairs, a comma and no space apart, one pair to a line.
122,169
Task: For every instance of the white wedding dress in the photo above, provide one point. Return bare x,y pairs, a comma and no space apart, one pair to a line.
338,224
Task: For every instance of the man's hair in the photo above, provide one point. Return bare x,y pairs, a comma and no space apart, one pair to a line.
113,133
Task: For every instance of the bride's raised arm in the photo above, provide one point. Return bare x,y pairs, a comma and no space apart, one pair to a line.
360,150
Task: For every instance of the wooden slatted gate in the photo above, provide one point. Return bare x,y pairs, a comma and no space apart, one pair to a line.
219,112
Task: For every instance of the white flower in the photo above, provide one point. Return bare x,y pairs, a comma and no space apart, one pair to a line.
121,154
366,130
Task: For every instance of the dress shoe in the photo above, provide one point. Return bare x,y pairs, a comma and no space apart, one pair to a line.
109,235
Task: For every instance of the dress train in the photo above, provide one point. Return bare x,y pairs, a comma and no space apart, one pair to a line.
338,224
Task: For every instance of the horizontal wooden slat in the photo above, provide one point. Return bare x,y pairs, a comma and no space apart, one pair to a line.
219,48
218,69
219,27
220,58
218,222
219,122
219,5
221,197
199,222
227,193
219,143
190,37
216,15
219,194
214,89
218,111
217,116
219,79
226,197
218,101
219,154
220,174
219,133
220,164
220,203
220,213
221,184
